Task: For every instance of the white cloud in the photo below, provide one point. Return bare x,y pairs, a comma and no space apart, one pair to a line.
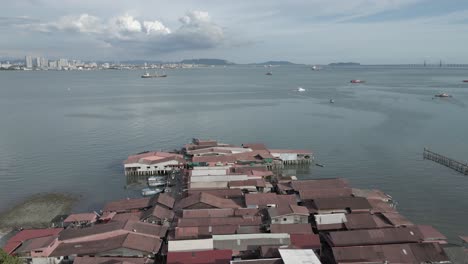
196,31
194,17
155,27
126,25
83,23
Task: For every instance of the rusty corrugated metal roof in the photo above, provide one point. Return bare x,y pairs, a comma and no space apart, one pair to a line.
374,237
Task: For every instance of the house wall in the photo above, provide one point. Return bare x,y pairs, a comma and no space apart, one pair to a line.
152,167
209,172
290,219
285,156
209,185
43,260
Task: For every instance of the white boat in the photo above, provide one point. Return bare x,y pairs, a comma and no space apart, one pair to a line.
332,101
300,89
148,191
155,75
315,68
156,181
442,95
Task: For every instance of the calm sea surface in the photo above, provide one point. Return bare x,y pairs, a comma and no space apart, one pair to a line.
70,131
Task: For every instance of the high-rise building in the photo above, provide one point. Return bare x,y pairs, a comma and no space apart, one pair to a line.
53,64
62,63
44,62
28,62
38,62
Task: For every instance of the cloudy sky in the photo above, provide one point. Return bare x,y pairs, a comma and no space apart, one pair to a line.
303,31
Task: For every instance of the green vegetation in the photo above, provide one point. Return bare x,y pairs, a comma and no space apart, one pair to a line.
7,259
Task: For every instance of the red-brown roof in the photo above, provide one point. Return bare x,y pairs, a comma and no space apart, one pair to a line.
342,203
264,199
399,253
396,253
429,233
464,238
84,217
360,221
204,213
252,182
333,183
219,221
111,227
15,241
127,205
287,209
305,241
150,157
36,243
164,199
291,228
108,260
207,199
221,159
200,257
396,219
379,206
145,244
223,193
124,217
306,194
198,232
374,237
159,212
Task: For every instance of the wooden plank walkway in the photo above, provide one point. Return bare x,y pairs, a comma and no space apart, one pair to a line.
448,162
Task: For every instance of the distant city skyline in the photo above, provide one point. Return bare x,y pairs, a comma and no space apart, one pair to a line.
315,32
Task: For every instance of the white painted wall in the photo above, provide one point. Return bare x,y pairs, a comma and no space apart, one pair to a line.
46,260
211,168
209,172
209,185
152,167
190,245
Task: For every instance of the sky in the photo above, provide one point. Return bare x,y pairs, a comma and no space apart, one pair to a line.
243,31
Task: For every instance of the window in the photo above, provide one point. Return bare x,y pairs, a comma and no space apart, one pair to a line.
285,219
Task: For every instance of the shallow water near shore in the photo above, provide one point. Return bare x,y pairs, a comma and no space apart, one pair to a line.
70,131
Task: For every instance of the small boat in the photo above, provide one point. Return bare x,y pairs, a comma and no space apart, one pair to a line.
300,89
156,181
319,165
442,95
465,81
332,101
357,81
155,75
269,73
315,68
148,191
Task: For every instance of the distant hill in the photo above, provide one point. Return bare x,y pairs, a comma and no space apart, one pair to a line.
207,62
141,62
275,63
344,64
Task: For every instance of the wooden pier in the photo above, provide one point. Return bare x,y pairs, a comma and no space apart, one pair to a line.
448,162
